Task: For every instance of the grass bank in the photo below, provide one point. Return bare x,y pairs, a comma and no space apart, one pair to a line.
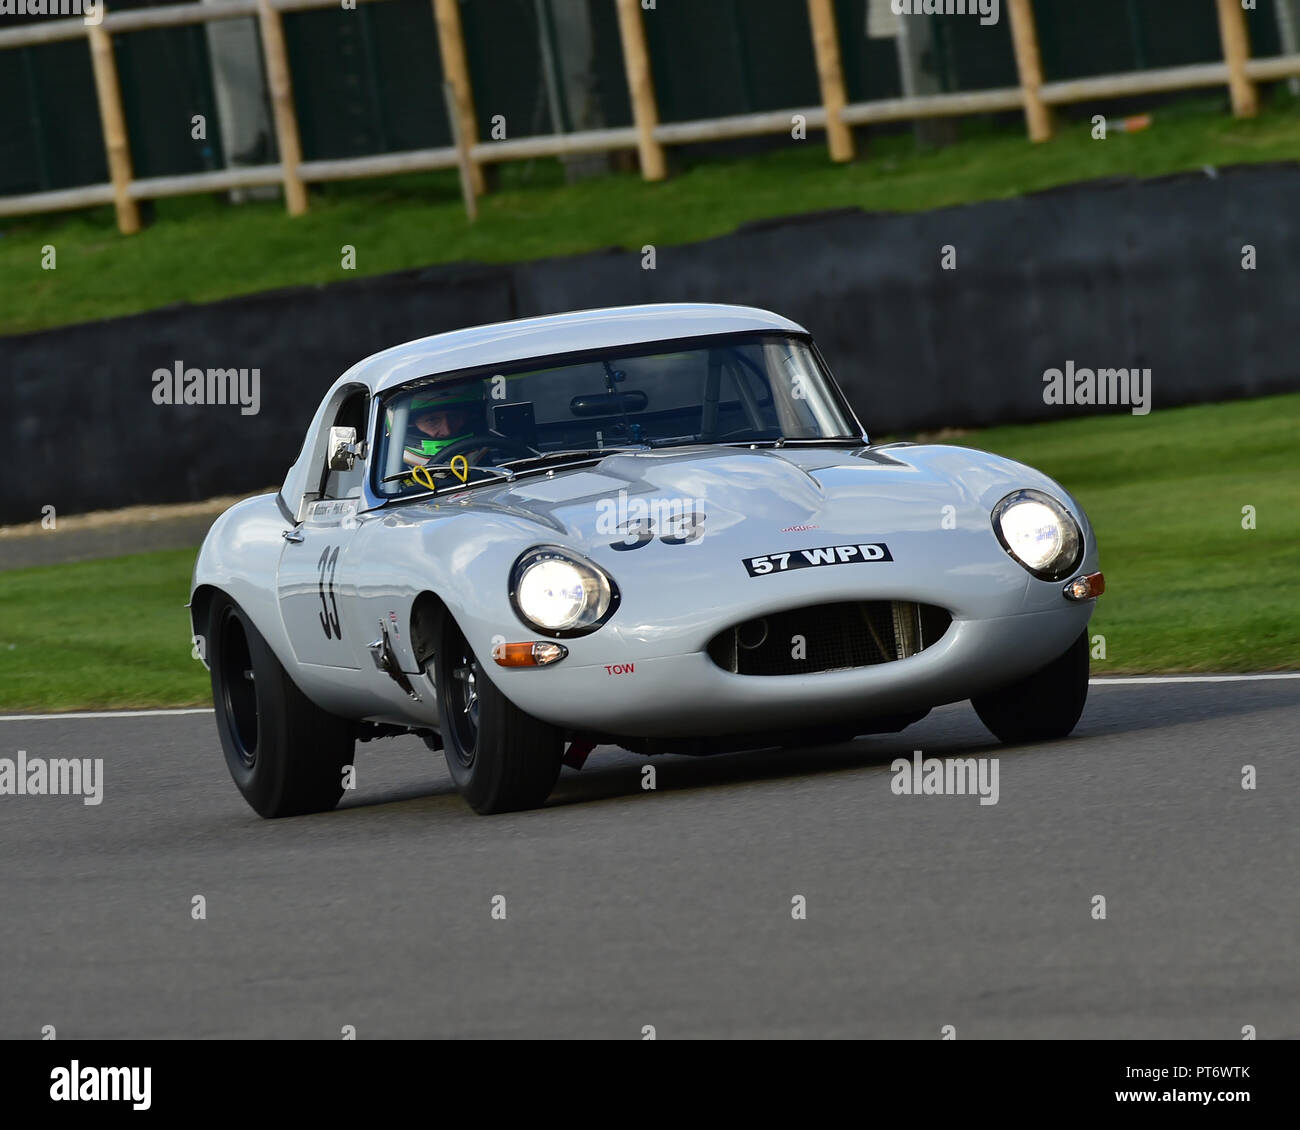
200,249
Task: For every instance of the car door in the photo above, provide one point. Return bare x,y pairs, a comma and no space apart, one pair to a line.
316,584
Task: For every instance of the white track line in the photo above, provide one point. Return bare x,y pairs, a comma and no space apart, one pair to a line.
1104,681
104,714
1150,679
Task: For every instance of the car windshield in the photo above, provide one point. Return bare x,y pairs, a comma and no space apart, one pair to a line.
755,388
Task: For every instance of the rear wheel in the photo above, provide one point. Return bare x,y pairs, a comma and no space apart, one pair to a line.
1042,706
286,755
501,759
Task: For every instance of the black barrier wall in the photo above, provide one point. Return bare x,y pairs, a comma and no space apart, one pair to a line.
1114,275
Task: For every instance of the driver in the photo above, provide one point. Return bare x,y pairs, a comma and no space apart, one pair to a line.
442,417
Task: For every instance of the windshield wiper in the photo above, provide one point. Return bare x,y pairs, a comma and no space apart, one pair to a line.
503,472
508,471
575,453
782,441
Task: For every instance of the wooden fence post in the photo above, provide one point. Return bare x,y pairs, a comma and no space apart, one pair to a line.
1029,63
281,89
830,74
113,120
640,83
464,161
455,69
1236,50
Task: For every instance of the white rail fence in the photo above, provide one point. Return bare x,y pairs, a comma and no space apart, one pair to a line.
647,135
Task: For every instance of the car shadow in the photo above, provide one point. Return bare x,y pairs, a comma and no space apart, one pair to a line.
955,730
675,773
949,731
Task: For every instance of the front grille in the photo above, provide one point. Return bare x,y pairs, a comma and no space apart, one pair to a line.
828,637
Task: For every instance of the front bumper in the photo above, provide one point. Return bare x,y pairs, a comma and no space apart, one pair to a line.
688,695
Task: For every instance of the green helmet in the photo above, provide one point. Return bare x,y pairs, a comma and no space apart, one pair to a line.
465,394
468,397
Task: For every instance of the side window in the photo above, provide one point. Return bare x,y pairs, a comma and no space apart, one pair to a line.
347,484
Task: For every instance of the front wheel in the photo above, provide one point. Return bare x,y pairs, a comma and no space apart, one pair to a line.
501,759
286,755
1042,706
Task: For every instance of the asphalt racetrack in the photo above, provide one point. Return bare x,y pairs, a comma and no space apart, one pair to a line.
673,908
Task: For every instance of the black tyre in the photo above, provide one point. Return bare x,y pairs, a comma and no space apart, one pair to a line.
1042,706
501,759
286,755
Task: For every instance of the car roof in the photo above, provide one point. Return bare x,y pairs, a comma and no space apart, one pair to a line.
504,342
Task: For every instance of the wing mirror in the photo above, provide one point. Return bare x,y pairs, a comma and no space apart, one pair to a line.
344,451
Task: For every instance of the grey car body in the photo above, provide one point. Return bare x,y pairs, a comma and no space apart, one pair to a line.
697,645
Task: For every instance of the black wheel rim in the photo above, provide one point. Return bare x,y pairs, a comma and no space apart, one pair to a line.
460,688
238,688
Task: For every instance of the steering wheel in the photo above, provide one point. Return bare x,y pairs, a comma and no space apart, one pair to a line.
491,442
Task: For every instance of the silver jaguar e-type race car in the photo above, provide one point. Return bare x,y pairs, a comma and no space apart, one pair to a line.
661,527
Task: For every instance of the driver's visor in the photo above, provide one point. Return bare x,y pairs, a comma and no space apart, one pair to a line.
427,447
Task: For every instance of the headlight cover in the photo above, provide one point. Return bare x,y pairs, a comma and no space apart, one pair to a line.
1040,533
560,594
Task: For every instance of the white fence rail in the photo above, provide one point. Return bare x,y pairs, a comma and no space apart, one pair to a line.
647,135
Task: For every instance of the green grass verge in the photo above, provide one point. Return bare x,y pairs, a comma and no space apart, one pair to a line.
1189,588
112,633
201,249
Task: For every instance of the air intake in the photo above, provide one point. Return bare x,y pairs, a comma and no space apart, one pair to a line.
828,637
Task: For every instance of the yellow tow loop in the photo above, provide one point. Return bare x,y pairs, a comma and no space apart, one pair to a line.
424,477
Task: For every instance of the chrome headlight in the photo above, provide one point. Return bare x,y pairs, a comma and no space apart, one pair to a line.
1039,532
561,594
